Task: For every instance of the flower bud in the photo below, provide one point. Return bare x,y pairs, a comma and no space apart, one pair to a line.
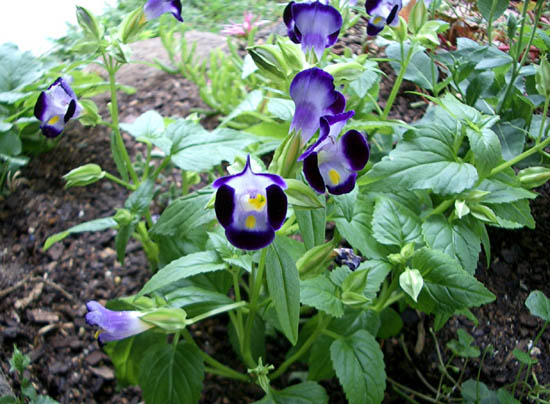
483,213
83,175
123,217
293,55
411,282
533,177
346,71
285,158
270,61
301,195
542,77
169,319
88,23
356,281
461,208
315,260
132,25
417,17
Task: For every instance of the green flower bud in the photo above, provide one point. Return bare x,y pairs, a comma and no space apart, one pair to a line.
123,217
169,319
356,281
512,25
483,213
88,23
353,299
83,175
533,177
345,71
132,25
407,251
270,61
293,55
285,158
475,195
461,208
417,17
542,78
302,195
315,260
411,282
400,32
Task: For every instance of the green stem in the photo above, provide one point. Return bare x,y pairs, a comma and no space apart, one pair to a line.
409,390
442,207
323,322
184,183
149,246
238,322
535,342
214,312
126,185
220,368
520,157
332,334
161,167
114,117
385,295
544,116
147,162
397,84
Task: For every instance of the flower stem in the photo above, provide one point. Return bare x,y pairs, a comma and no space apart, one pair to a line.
520,157
397,84
544,117
126,185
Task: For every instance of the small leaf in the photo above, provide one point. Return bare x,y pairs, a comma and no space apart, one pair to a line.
524,357
92,225
319,292
539,305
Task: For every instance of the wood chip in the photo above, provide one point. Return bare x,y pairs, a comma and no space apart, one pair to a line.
104,372
43,316
34,293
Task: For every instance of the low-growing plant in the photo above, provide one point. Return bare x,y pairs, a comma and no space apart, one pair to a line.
346,219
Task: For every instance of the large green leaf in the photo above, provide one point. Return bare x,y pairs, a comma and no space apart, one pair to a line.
185,215
283,283
92,225
447,287
141,198
319,363
514,215
421,69
456,239
394,224
486,148
501,191
312,226
539,305
359,365
17,69
424,159
172,374
127,355
358,232
149,128
320,292
511,136
302,393
184,267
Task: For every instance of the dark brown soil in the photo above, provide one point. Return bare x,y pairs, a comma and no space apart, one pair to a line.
43,295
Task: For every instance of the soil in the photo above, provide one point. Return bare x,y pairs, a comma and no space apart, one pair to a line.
43,294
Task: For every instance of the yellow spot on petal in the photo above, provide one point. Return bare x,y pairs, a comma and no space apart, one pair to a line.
377,20
250,222
334,176
53,120
258,202
96,336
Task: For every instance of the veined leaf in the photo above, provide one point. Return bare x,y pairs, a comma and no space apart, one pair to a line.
394,224
92,225
320,292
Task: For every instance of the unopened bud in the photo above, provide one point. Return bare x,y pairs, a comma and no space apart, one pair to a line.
534,176
83,175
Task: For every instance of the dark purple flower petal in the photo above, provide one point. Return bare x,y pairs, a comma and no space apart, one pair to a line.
70,111
51,131
276,206
249,240
382,12
343,187
225,205
355,149
373,30
313,24
393,14
314,95
155,8
371,5
40,106
312,173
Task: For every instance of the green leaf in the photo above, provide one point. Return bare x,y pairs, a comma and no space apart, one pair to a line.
492,9
502,192
172,375
475,392
250,103
184,267
378,270
320,292
505,398
512,138
302,196
281,108
463,347
456,239
185,214
283,284
539,305
18,68
524,357
411,282
359,365
10,143
346,203
364,82
139,200
302,393
319,364
121,240
196,300
447,286
424,159
514,215
391,323
149,128
118,158
486,148
394,224
127,355
92,225
421,69
358,232
312,226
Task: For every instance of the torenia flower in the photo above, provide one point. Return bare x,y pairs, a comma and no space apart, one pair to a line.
250,207
314,96
55,107
333,163
315,25
155,8
115,325
382,12
243,29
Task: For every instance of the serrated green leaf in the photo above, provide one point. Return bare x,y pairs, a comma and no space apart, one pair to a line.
501,192
539,305
141,198
312,226
92,225
394,224
424,159
184,267
319,292
486,148
359,365
514,214
172,375
447,287
456,239
283,284
421,69
149,127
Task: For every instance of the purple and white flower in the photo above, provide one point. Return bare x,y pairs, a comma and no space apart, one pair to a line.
382,12
314,25
332,163
314,96
155,8
115,325
250,207
55,107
